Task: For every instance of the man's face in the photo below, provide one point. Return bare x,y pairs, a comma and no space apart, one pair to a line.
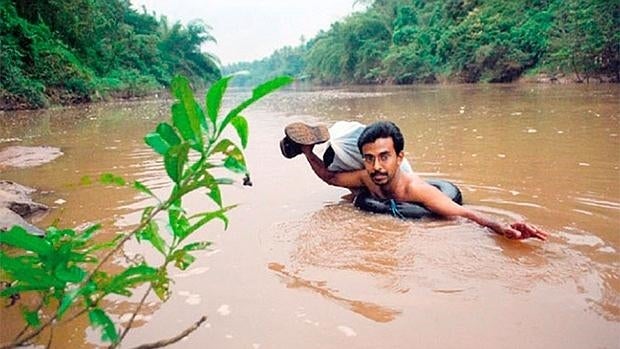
381,161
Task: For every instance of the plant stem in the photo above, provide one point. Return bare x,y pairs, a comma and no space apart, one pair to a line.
49,341
165,342
133,317
28,326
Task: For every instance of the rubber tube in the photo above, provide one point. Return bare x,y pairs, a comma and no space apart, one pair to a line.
366,202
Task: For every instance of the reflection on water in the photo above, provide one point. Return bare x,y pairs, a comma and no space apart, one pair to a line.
371,311
301,267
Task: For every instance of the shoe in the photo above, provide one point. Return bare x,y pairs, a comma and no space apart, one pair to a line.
301,133
289,148
298,134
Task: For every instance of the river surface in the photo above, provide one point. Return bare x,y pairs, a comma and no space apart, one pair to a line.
300,267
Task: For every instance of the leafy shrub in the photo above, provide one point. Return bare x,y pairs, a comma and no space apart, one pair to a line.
63,269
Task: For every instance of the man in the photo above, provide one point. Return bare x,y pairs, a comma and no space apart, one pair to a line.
381,145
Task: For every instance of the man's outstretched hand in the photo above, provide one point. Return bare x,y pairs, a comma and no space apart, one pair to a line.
522,230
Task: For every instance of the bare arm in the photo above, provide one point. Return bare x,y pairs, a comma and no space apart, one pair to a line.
437,202
351,179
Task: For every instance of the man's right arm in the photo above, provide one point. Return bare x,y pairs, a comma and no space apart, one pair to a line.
352,179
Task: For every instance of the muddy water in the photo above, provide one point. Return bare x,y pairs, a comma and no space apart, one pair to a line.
300,267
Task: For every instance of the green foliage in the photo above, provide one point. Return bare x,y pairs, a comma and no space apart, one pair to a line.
71,51
409,41
65,264
585,38
284,61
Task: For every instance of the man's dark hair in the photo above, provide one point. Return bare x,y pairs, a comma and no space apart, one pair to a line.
381,129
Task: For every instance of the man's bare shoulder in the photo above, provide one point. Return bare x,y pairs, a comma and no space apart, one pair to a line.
415,187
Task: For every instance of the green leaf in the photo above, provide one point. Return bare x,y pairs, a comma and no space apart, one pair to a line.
182,259
31,317
146,213
187,115
69,274
86,180
87,233
180,86
168,134
55,235
215,194
224,181
208,216
196,246
237,162
241,125
258,92
209,182
13,290
235,165
214,98
98,318
161,285
18,237
155,141
69,298
67,301
103,245
143,188
175,160
179,223
151,234
270,86
26,269
130,278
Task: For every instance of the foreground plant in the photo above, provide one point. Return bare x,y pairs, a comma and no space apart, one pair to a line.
63,269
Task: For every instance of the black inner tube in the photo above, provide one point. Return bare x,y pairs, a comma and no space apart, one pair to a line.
365,201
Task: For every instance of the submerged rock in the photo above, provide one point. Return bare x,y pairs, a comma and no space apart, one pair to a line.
21,156
16,205
9,218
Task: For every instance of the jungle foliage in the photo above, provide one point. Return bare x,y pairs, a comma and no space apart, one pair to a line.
71,51
410,41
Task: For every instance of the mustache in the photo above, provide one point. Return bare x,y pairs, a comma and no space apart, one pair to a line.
378,173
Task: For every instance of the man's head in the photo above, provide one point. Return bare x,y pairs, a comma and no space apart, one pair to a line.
381,145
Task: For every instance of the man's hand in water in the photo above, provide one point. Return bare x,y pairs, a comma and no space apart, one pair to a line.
522,230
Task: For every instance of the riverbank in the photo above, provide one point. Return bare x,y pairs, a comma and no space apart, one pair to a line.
62,98
65,98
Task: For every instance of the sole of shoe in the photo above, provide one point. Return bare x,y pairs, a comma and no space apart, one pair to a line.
305,134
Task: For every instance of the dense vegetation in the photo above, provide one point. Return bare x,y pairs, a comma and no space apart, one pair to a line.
68,51
409,41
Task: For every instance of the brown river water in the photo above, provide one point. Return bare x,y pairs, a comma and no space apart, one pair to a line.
300,267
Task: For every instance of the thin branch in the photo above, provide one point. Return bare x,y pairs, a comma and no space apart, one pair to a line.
22,332
133,317
39,307
49,341
165,342
76,315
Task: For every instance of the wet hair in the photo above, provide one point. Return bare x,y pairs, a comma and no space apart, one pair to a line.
381,129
